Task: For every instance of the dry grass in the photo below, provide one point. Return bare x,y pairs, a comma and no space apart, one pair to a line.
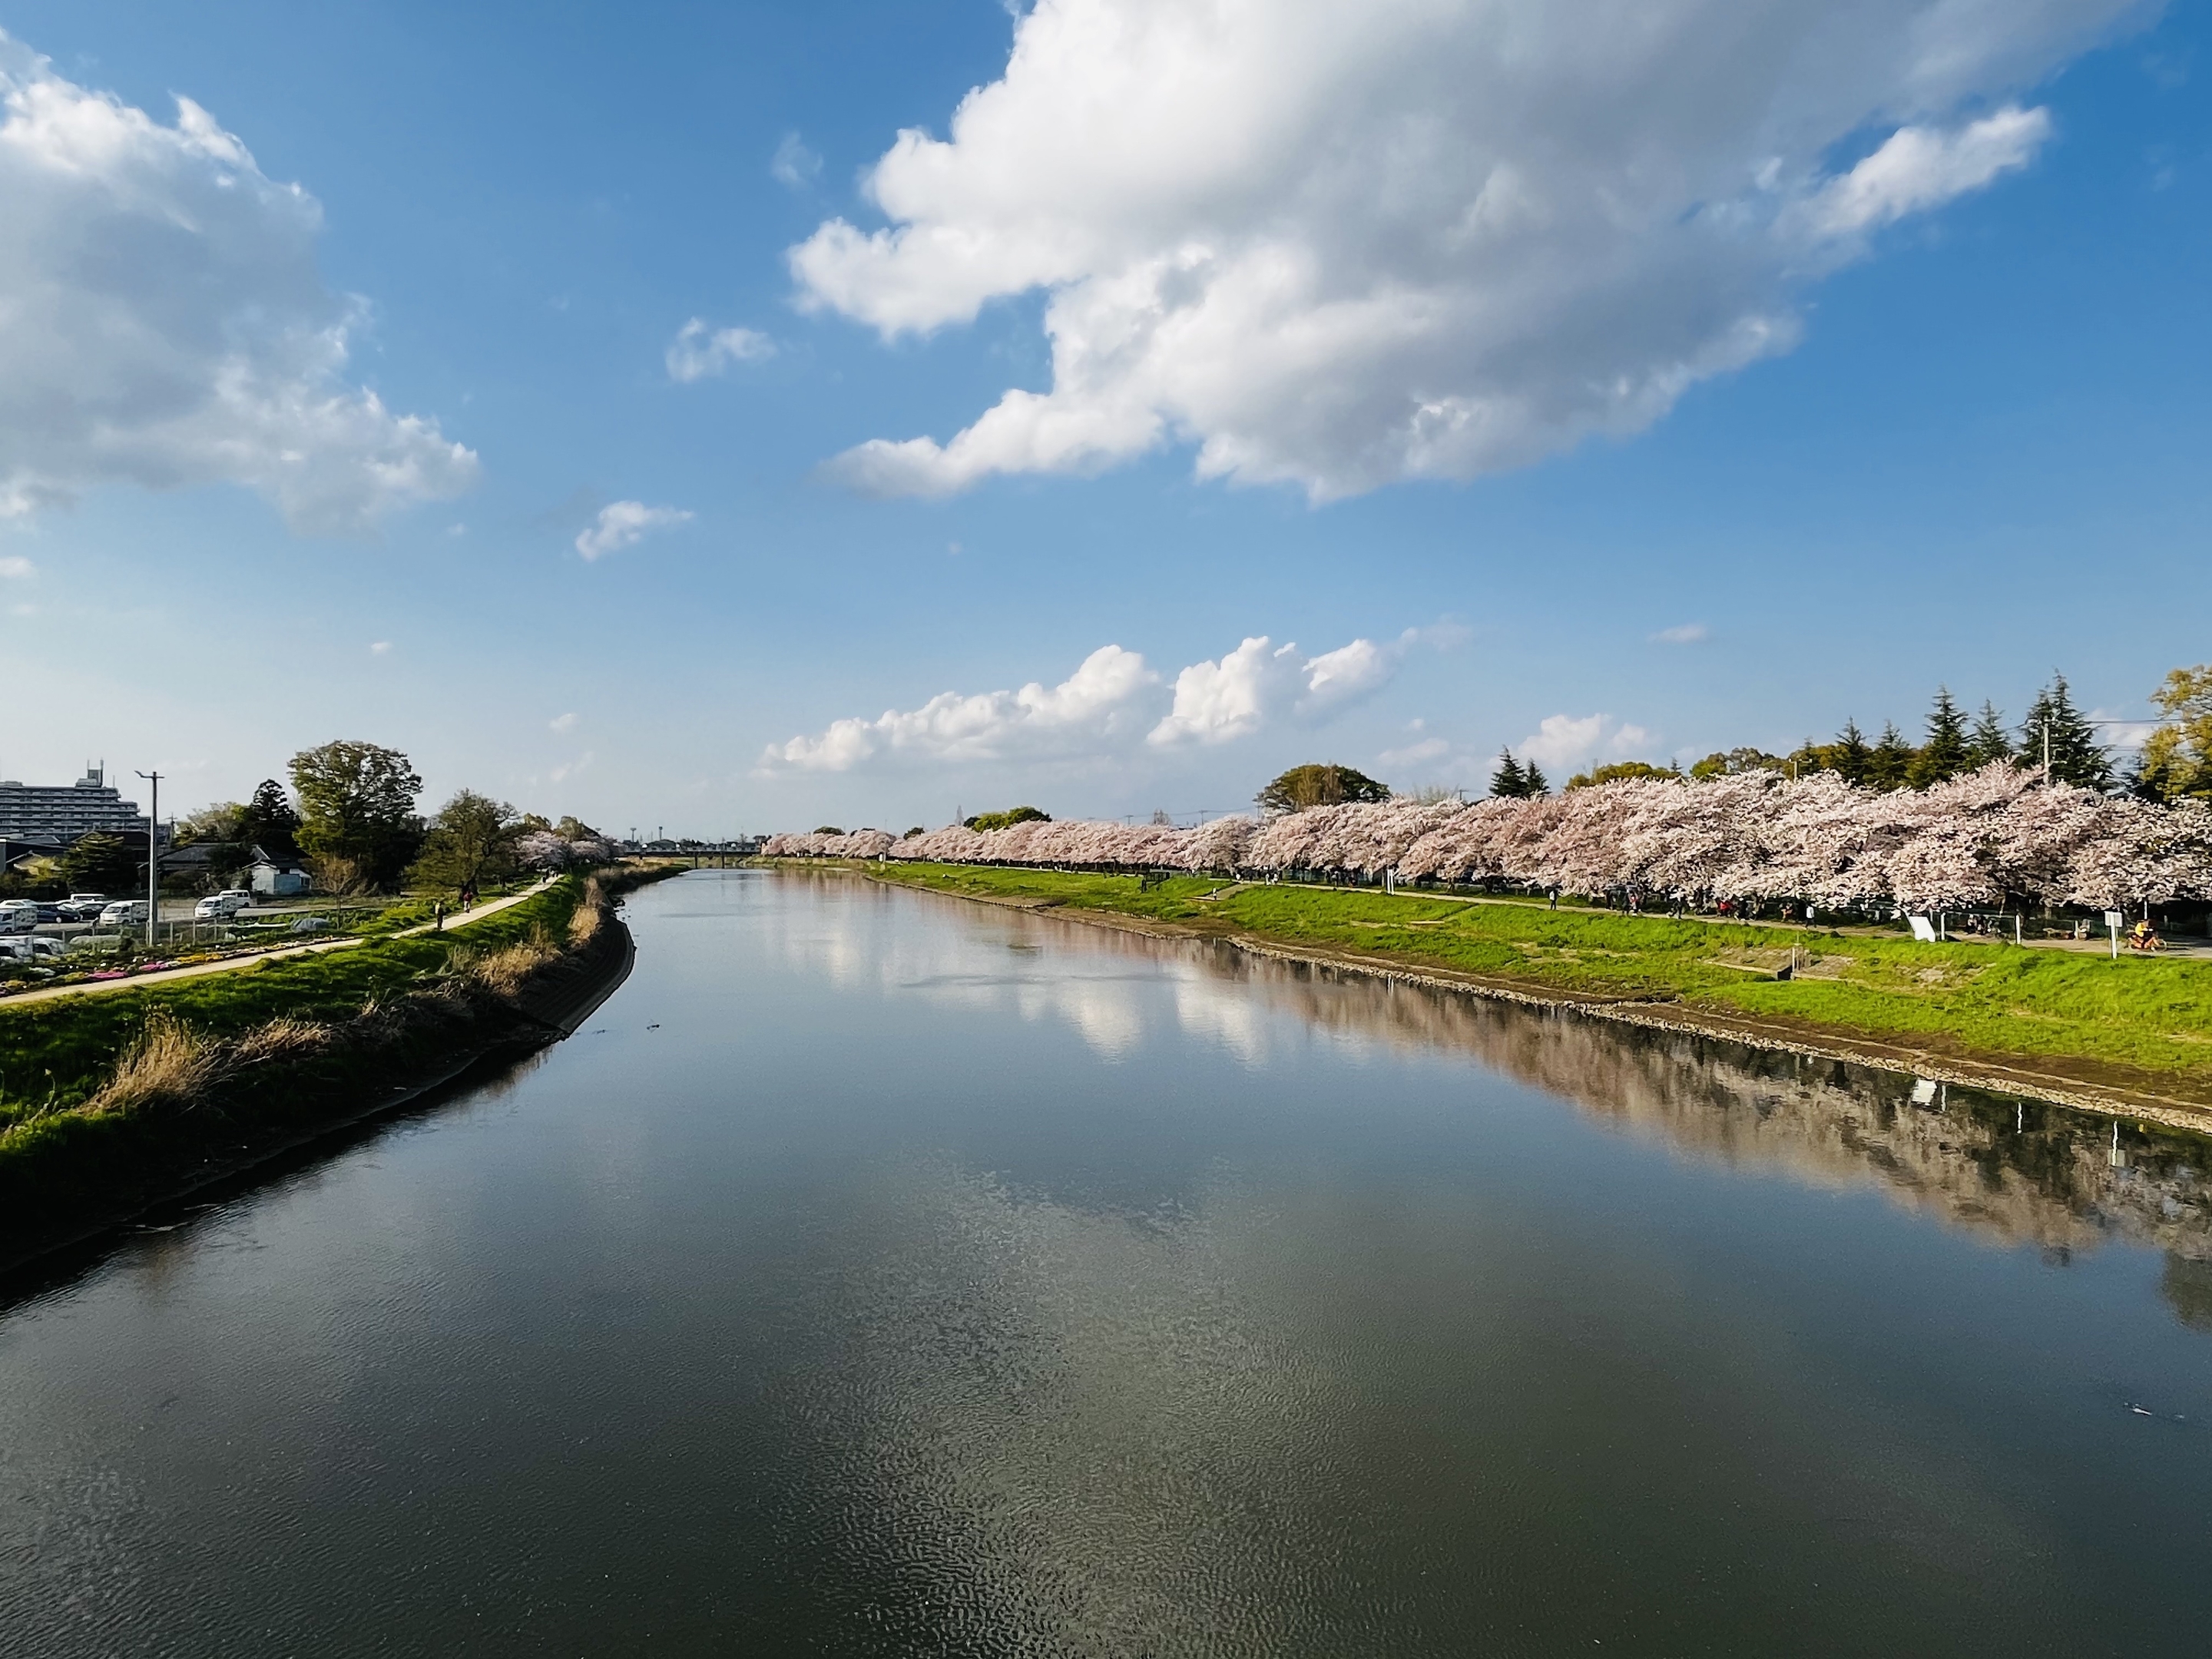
590,910
505,971
168,1065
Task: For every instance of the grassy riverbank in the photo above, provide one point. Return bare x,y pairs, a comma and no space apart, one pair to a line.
107,1103
2142,1023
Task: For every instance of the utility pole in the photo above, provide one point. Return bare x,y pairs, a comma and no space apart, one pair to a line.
2046,751
152,858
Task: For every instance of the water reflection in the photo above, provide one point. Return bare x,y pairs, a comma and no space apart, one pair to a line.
2021,1172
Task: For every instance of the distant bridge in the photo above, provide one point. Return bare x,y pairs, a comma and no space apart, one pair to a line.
702,854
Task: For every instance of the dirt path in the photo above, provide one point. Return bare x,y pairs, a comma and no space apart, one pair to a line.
231,965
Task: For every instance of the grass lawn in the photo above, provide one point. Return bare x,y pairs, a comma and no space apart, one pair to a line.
2075,1014
55,1054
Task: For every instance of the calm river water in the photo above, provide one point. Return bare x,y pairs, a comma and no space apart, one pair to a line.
878,1273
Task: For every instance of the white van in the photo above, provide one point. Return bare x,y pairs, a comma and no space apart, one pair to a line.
124,913
220,906
33,948
18,915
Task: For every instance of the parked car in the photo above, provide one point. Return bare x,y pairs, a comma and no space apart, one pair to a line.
82,906
219,907
18,915
50,912
124,913
29,947
237,898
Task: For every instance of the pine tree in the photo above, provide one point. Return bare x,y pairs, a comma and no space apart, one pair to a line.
1889,765
1509,780
1534,782
1944,754
1848,756
1987,742
2076,756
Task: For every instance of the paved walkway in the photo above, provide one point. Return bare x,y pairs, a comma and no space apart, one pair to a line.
252,958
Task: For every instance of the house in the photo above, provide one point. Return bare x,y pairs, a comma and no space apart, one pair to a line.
276,878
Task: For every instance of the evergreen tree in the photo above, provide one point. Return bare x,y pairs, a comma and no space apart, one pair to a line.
1987,742
1534,782
2076,756
1849,755
1889,765
1945,753
1509,780
268,821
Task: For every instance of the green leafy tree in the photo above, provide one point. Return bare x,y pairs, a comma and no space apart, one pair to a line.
470,843
572,828
1988,741
1508,780
827,829
1944,754
101,863
357,813
1617,771
1889,762
2076,756
1727,763
269,822
2177,759
1012,814
1323,785
225,820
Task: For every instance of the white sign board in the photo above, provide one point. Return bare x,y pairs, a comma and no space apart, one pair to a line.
2113,919
1923,929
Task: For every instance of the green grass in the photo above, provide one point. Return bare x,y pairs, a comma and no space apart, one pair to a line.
55,1054
2062,1010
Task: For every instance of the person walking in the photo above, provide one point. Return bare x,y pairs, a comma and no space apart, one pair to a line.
438,918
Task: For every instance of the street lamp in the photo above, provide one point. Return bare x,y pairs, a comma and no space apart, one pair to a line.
152,858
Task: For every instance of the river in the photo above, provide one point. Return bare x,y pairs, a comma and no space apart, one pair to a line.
881,1273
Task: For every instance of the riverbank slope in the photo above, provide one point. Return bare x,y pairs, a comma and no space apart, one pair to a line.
2132,1037
111,1105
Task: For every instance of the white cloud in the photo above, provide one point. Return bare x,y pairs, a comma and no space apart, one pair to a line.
563,724
1340,246
624,523
162,321
793,165
1919,167
15,568
1685,634
1114,705
1561,741
379,647
1103,704
1260,682
582,763
698,351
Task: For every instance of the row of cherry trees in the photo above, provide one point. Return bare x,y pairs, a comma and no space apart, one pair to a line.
1758,837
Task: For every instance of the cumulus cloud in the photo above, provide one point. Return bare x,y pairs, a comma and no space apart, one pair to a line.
1114,704
563,724
1561,741
14,568
162,321
379,647
624,523
1103,702
1260,682
1341,246
1682,633
698,351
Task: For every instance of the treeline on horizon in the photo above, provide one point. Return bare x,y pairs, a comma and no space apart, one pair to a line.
2175,762
351,818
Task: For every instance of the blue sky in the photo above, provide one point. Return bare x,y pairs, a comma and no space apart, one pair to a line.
1982,457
